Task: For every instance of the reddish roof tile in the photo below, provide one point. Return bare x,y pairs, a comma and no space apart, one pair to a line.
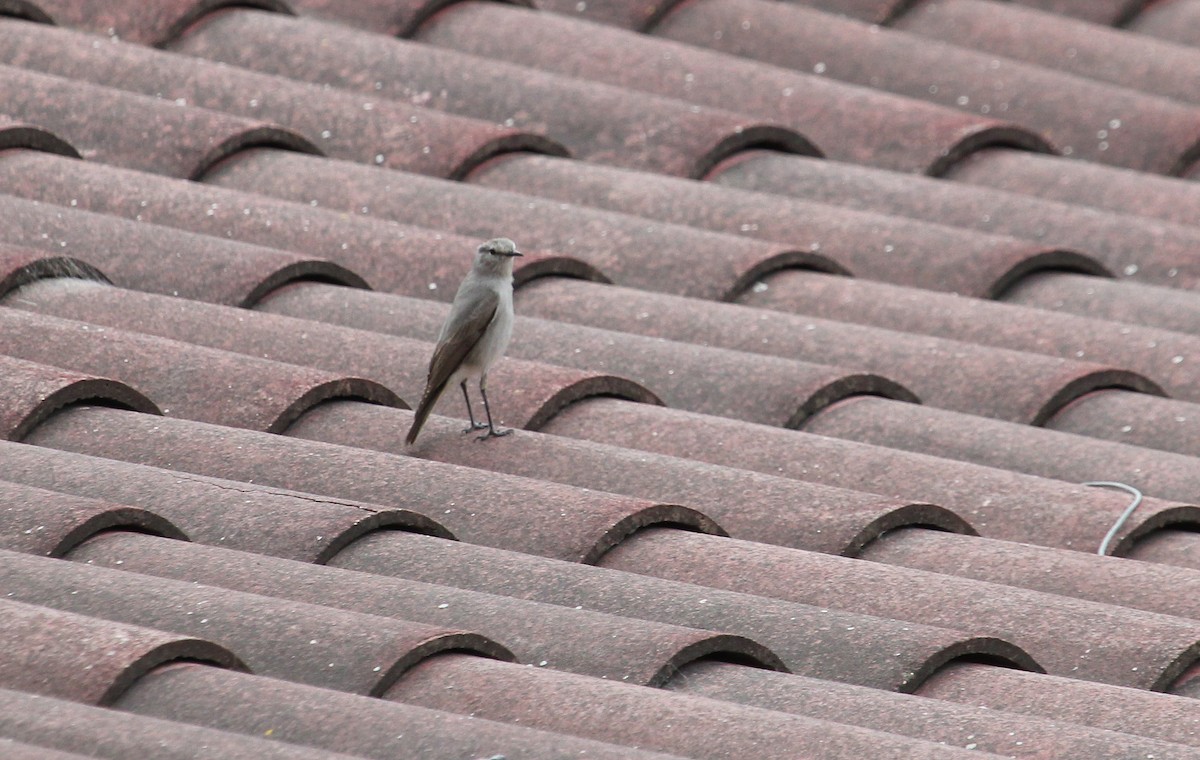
818,642
1177,21
1139,712
128,18
306,643
998,502
181,142
21,266
32,392
1080,639
1115,12
21,751
943,373
1055,42
592,120
1047,453
683,724
1120,191
134,255
846,122
533,392
60,654
932,720
1132,419
377,131
1119,301
251,237
237,515
15,134
50,523
1157,354
624,249
241,392
860,243
753,387
546,635
73,726
1155,134
363,245
1149,251
756,508
332,720
487,508
1068,573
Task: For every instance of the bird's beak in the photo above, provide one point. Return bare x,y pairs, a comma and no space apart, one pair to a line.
514,253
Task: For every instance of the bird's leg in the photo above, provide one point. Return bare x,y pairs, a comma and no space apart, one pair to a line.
492,432
470,414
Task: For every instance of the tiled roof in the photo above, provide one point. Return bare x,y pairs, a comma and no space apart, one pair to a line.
832,315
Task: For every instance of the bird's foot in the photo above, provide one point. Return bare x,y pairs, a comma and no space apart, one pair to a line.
493,433
475,426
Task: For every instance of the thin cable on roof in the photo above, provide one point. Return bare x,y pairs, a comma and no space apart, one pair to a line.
1112,532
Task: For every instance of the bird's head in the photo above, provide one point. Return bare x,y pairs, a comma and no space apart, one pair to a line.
496,256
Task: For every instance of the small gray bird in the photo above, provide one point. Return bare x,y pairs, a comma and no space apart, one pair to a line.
474,335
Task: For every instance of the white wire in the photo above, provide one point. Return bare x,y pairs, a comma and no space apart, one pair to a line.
1112,532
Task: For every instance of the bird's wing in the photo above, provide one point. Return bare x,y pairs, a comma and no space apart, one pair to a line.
471,323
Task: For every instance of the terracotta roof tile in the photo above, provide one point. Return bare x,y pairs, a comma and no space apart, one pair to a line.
1113,12
331,720
305,643
473,505
1119,191
32,392
1109,55
846,122
533,392
944,722
591,120
268,160
621,248
1068,637
133,255
84,659
1148,251
51,524
838,521
376,131
1155,134
568,703
1157,354
705,378
943,373
1119,301
73,726
997,502
127,18
1019,448
1144,713
22,751
223,388
1175,21
546,635
818,642
863,244
181,142
1067,573
237,515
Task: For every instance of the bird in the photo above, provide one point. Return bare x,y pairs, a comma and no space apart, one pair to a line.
474,335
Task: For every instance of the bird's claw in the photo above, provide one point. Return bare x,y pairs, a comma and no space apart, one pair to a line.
493,433
475,426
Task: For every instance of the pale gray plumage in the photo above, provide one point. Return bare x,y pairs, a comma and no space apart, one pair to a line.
474,335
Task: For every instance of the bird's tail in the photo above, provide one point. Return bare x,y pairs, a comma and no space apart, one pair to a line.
430,398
